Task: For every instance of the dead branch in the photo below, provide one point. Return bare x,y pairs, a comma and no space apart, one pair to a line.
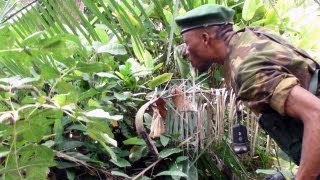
146,169
22,87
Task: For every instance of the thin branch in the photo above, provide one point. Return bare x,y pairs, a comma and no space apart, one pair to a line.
23,8
22,87
146,169
79,162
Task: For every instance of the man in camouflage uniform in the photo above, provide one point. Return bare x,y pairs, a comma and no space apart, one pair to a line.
265,72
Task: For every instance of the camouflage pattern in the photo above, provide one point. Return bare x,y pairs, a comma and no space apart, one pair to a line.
263,72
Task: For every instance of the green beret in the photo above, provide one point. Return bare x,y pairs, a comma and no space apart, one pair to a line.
205,15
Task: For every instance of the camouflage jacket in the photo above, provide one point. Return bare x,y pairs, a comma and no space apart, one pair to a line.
262,72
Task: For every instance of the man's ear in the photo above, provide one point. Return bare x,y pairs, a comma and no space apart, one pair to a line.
205,38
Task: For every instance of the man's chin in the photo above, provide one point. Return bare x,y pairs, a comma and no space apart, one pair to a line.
203,68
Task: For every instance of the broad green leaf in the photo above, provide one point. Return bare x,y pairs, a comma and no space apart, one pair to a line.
167,152
93,103
31,160
17,80
164,140
112,48
6,35
148,60
78,156
160,80
134,141
78,127
249,9
100,113
118,173
71,174
87,94
69,145
98,126
109,140
183,67
168,16
136,152
107,75
90,67
48,144
193,171
64,87
62,46
109,150
101,31
65,99
33,38
123,96
138,48
120,162
34,128
181,158
172,173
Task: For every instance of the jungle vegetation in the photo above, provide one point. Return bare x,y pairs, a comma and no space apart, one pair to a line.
87,91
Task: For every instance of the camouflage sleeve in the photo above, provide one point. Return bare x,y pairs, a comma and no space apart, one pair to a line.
261,81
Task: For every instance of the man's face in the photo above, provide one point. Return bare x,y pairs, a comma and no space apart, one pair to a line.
202,49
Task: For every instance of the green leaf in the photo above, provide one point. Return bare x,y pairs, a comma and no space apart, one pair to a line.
71,174
109,150
193,171
87,94
93,103
123,96
138,48
65,99
31,160
136,152
101,31
172,173
112,48
120,162
118,173
78,156
164,140
48,143
109,140
107,75
249,9
167,152
134,141
100,113
160,80
181,158
78,127
33,38
148,60
69,145
90,67
7,35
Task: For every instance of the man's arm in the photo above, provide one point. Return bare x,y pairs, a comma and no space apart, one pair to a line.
303,105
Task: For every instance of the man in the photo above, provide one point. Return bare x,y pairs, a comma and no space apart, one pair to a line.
265,72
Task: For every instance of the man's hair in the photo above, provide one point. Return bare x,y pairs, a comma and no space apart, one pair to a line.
222,30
